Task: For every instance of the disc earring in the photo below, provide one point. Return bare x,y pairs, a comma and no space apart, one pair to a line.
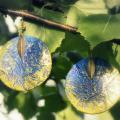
93,85
25,62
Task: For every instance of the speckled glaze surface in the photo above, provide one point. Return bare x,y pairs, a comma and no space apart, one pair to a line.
30,71
93,95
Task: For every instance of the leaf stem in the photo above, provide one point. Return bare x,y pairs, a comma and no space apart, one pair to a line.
31,16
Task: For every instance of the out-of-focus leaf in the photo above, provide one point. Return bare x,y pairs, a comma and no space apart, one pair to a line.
10,100
74,56
15,4
116,53
61,67
53,103
46,116
67,114
112,3
25,103
29,109
115,111
51,36
110,52
75,42
3,30
43,91
101,116
94,21
61,88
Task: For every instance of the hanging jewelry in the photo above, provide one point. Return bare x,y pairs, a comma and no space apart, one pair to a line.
25,62
93,85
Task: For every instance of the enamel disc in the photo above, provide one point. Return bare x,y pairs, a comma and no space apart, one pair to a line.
94,95
30,71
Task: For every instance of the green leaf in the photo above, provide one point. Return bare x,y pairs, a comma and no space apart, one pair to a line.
43,91
110,52
116,52
51,36
112,3
46,116
67,114
75,42
3,31
53,103
102,116
115,111
61,88
25,103
61,67
94,22
28,104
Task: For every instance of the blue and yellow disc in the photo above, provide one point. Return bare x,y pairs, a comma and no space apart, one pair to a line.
94,95
30,71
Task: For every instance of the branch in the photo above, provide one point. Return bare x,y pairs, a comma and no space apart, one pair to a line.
37,18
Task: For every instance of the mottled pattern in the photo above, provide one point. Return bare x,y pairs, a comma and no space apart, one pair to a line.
29,71
93,95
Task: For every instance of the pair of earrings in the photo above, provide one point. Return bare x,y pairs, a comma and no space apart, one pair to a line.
92,85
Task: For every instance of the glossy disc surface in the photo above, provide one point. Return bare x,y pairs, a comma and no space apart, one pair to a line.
30,71
93,95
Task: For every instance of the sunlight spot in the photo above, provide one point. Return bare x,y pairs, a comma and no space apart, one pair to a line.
15,115
50,83
41,103
10,24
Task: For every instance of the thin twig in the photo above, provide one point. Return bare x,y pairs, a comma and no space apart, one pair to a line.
37,18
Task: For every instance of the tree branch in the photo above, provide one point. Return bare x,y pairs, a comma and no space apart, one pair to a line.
37,18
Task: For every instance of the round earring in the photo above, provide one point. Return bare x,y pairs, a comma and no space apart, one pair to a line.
93,85
25,62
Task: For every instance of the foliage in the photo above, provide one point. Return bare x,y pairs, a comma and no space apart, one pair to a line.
98,23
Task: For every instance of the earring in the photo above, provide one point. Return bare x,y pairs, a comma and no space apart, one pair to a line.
93,85
25,62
